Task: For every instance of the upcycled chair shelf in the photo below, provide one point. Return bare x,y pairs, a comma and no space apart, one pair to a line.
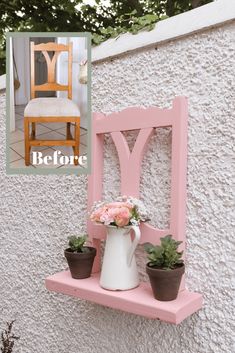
139,300
51,110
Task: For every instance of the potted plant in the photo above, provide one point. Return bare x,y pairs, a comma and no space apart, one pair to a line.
80,257
165,268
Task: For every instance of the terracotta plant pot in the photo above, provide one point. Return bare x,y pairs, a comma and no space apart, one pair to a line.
80,264
165,283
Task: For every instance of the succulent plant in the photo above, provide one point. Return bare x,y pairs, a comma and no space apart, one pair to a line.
76,244
164,256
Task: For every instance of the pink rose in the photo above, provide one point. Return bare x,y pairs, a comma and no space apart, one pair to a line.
113,211
122,219
97,214
106,218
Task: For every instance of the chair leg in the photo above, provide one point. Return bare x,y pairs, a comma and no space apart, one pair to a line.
26,141
68,132
77,141
33,131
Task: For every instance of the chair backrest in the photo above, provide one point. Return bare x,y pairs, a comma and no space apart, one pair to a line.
51,84
145,120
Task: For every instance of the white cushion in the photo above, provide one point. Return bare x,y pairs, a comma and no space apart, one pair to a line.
39,107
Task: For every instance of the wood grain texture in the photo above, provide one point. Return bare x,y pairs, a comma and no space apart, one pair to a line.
32,71
51,47
52,119
52,142
26,140
51,84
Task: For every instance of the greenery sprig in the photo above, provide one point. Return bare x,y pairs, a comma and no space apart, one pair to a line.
129,22
103,20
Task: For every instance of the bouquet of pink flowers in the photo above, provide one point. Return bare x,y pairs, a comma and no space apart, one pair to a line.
123,212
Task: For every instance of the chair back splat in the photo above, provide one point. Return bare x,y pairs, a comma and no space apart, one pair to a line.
145,120
51,84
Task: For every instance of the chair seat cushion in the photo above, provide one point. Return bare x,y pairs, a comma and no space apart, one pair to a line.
41,107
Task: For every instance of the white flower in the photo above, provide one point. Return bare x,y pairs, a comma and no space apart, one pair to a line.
134,222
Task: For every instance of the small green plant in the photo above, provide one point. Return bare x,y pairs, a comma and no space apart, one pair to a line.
8,339
76,244
165,255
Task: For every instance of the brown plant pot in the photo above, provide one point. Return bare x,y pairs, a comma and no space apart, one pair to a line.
165,283
80,264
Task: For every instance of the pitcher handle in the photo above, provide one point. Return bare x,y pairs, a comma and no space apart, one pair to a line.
134,244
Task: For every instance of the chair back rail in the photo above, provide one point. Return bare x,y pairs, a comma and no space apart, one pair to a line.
51,84
145,120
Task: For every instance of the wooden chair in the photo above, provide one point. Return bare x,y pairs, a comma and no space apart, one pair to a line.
140,300
51,110
146,120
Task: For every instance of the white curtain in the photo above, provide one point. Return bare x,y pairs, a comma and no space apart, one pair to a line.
11,89
79,90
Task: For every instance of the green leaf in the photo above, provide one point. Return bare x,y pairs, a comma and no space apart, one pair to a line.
148,247
150,27
165,255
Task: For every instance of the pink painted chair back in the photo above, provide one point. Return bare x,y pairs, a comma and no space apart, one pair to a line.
145,120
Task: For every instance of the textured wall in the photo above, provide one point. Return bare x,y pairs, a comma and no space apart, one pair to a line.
39,212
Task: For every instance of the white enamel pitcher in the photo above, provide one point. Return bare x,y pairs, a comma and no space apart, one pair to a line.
119,270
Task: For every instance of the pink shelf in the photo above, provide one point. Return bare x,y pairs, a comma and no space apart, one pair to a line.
138,301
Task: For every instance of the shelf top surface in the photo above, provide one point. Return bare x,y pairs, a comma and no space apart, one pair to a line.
138,301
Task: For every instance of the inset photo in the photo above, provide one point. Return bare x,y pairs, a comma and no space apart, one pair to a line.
48,103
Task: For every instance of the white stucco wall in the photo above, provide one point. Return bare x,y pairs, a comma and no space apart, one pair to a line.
39,212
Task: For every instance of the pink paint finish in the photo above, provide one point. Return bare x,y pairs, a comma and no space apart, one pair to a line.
138,301
145,120
130,162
